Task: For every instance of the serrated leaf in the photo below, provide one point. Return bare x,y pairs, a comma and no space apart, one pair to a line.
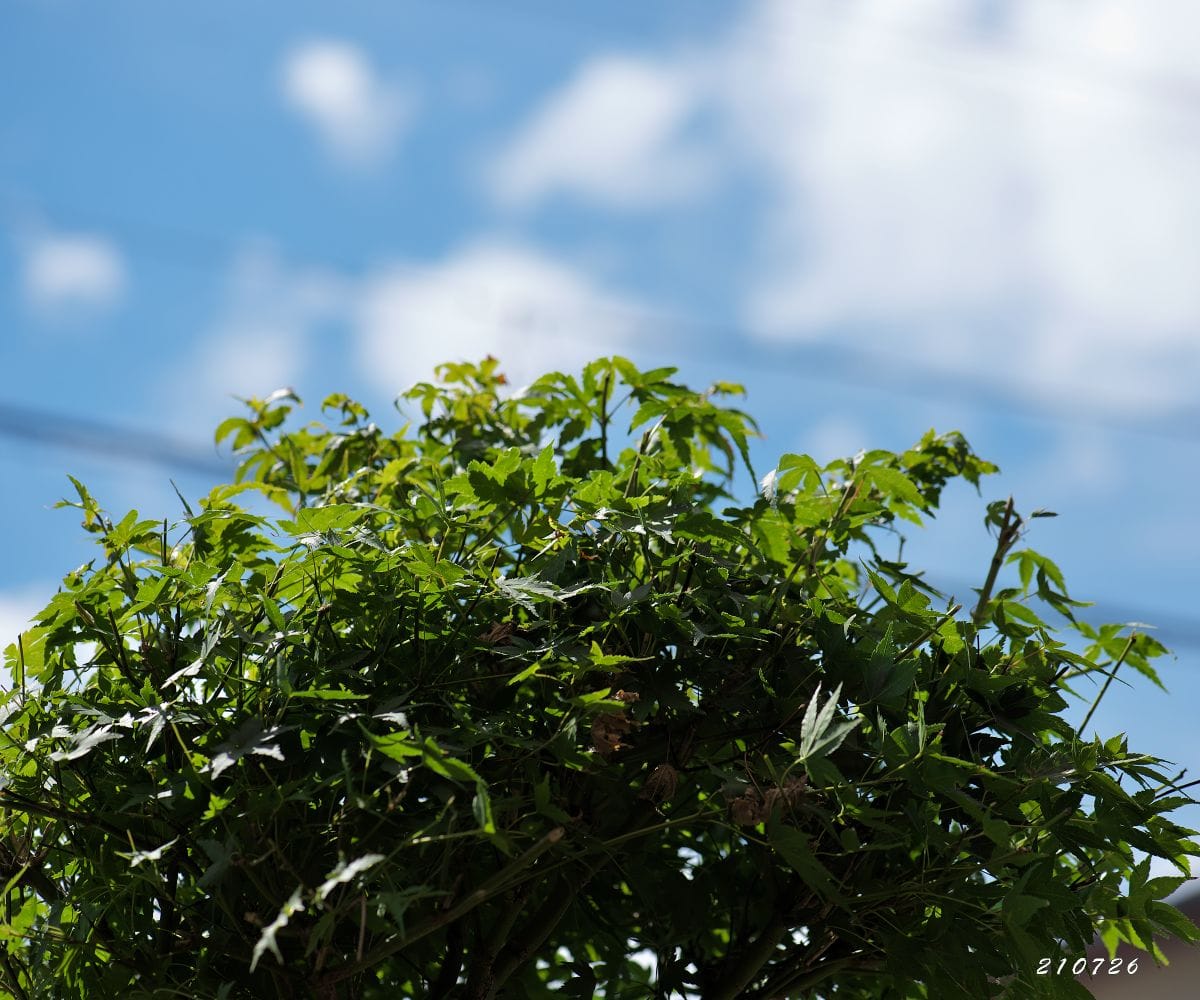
1020,908
600,658
1173,921
141,857
266,941
820,734
85,742
438,761
249,739
344,872
793,846
398,746
544,469
524,589
893,483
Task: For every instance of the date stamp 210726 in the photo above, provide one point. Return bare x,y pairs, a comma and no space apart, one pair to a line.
1087,966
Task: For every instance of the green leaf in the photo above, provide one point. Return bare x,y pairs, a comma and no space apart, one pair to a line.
888,678
321,520
266,941
526,590
793,846
544,805
274,616
601,659
893,483
820,734
1173,921
481,809
397,746
1019,908
544,469
797,472
436,759
346,872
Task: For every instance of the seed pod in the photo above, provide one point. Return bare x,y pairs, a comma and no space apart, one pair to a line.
660,786
749,808
607,731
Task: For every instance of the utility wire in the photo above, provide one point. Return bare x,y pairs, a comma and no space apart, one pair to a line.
1169,628
44,427
878,372
96,437
872,371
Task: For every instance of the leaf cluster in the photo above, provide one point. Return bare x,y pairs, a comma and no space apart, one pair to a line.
487,706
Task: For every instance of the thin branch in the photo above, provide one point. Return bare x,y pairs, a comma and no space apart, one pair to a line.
1010,531
485,890
13,980
1108,681
604,416
539,927
913,646
738,972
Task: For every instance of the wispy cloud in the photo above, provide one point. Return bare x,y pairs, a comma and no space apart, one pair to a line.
1010,197
395,322
261,337
16,608
65,275
990,188
509,300
618,132
358,116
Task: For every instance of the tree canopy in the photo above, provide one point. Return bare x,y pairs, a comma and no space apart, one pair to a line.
521,700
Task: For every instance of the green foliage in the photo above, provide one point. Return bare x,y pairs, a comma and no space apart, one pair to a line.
496,703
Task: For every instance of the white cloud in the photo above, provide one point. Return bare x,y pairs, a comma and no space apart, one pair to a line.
944,177
1069,460
399,320
1005,190
834,437
16,608
261,338
617,133
534,313
71,273
358,116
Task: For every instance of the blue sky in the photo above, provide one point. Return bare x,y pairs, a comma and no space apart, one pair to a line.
880,216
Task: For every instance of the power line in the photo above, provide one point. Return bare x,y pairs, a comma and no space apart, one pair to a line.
97,437
1171,629
873,370
894,375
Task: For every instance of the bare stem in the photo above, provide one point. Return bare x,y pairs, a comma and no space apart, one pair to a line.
1010,531
484,892
1108,680
741,970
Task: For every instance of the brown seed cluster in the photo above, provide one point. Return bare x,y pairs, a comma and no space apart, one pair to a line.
661,784
500,634
607,731
753,807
